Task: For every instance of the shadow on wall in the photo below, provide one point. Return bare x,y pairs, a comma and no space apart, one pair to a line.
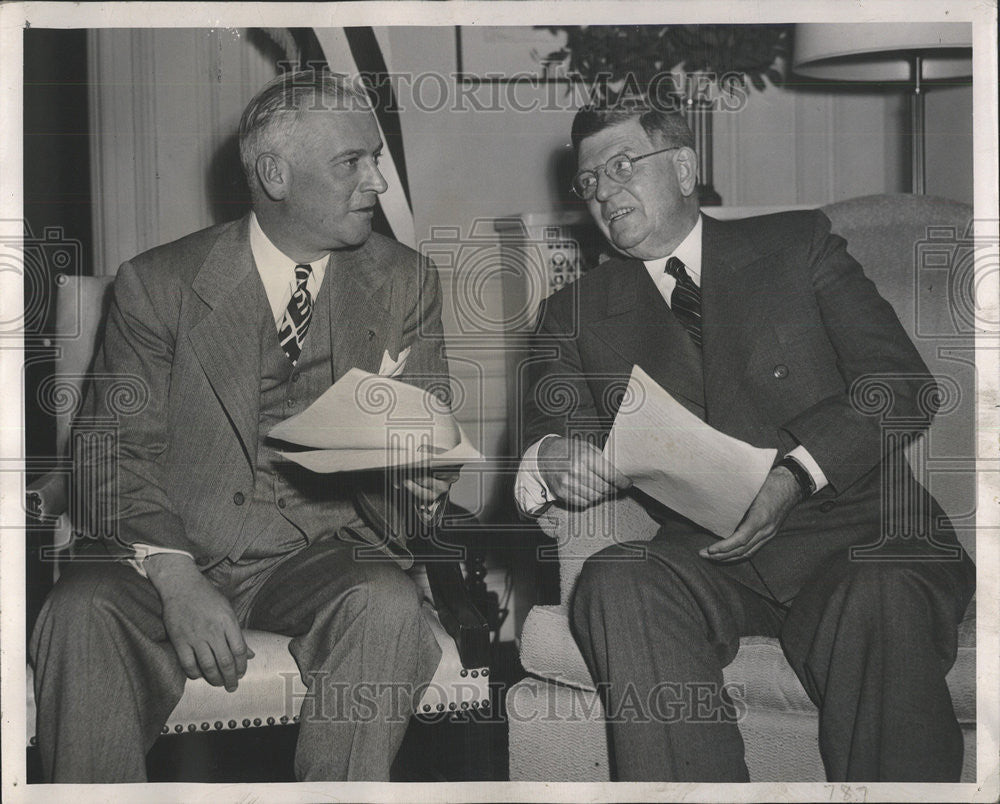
228,194
562,168
594,248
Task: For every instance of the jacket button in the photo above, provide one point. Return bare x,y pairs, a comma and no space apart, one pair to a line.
295,377
780,371
281,502
203,561
290,402
828,506
238,498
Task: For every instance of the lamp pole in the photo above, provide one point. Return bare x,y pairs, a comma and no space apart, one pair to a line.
698,111
917,163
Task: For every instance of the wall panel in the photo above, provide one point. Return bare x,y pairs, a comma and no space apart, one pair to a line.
164,107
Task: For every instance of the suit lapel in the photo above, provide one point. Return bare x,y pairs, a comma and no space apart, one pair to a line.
639,326
734,285
359,313
226,339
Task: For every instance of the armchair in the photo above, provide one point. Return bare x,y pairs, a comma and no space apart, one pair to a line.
270,691
915,249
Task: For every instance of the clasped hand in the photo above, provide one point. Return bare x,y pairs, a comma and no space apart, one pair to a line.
577,473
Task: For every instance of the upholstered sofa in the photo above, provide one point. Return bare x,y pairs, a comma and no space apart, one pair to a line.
916,250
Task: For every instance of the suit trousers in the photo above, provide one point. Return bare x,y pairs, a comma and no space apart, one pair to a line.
359,638
870,641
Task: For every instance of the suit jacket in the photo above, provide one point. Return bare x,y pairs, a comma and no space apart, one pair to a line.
789,324
183,326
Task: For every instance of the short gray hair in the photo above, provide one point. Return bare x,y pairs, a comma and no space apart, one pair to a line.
271,114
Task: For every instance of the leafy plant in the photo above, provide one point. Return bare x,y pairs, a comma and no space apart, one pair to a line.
638,53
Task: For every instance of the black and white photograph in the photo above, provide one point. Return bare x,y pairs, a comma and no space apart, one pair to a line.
519,401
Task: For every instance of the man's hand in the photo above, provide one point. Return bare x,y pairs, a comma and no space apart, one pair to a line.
428,485
577,473
199,620
779,495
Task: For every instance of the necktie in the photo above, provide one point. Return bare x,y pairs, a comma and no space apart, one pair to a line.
685,301
295,322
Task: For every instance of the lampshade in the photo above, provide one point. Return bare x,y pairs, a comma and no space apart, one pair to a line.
883,51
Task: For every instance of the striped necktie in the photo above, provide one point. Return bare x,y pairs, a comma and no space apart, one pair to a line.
685,301
295,322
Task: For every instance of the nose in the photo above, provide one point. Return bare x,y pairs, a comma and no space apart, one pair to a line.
375,181
606,187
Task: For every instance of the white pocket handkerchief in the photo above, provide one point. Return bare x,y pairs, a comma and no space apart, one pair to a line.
393,368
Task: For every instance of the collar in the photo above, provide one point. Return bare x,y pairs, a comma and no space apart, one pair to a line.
688,252
277,270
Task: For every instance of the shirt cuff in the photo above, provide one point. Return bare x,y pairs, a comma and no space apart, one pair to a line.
531,493
801,456
144,551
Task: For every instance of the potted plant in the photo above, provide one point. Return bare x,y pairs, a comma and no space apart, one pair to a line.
688,66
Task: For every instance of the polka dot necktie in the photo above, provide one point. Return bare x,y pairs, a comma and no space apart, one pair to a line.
295,322
685,301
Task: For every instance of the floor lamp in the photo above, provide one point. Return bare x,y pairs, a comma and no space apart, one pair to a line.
913,53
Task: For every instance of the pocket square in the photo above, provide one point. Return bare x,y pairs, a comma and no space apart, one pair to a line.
393,368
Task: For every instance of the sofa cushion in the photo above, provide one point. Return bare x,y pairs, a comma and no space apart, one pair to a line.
271,692
765,679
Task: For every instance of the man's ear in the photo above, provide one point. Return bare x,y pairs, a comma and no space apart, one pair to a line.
686,167
275,176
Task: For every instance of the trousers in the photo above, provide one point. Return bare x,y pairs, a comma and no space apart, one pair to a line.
100,640
871,642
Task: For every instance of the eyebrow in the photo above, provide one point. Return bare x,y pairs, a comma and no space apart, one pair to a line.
356,152
348,153
624,149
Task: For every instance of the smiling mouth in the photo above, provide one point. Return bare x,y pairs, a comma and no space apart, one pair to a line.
620,213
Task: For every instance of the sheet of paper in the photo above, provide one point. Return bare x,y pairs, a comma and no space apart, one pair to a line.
367,421
676,458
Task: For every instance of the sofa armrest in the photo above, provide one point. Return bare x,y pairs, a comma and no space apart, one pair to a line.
579,534
47,498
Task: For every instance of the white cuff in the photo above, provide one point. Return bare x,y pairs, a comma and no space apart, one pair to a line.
806,461
530,491
144,551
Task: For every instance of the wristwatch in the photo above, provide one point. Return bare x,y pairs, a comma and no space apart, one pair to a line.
802,477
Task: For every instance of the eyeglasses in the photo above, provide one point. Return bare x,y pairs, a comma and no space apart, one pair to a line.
619,167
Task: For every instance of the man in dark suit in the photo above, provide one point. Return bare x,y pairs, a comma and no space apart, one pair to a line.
761,328
227,332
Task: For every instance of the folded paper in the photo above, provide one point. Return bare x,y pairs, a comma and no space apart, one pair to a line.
366,421
686,464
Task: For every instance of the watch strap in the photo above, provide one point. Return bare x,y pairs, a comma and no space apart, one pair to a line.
802,477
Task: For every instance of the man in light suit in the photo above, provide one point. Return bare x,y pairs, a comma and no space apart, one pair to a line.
759,327
229,331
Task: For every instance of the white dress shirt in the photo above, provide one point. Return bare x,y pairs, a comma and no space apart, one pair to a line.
277,272
531,491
